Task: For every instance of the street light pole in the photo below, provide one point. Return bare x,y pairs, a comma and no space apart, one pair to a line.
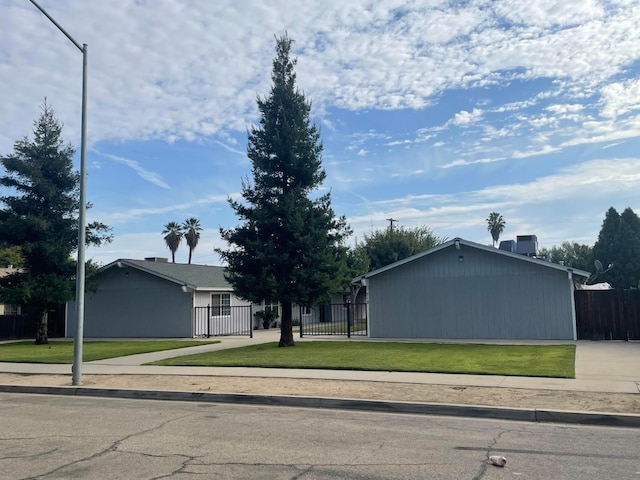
80,273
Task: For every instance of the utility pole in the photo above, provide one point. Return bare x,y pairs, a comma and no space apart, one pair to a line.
391,222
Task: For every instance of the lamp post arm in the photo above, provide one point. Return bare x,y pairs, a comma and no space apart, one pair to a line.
44,12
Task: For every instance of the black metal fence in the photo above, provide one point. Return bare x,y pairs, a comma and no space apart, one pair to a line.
220,321
15,327
348,319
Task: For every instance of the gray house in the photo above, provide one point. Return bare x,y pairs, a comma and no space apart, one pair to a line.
154,299
9,309
462,289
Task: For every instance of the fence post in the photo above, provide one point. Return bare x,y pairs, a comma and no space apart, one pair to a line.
208,321
349,321
250,308
301,322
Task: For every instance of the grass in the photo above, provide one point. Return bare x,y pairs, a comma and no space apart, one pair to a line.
335,328
62,351
518,360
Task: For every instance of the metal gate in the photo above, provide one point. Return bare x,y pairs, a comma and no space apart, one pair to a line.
222,320
348,319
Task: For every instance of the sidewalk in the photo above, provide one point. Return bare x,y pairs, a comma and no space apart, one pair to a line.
607,380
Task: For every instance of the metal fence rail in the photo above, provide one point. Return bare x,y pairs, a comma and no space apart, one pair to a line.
220,321
17,326
348,319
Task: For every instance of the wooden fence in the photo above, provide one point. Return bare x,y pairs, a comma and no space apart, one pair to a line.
608,314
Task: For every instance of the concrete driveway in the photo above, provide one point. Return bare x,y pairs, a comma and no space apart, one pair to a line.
608,360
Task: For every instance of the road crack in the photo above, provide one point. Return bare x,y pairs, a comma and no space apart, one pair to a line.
111,448
484,463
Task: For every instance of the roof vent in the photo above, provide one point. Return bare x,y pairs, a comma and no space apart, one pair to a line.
157,259
508,245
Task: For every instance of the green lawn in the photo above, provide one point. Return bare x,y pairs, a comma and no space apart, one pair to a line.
62,351
520,360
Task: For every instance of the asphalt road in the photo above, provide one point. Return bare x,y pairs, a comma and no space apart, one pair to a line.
50,437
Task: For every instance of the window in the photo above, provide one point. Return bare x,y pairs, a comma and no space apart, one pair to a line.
306,310
12,310
220,304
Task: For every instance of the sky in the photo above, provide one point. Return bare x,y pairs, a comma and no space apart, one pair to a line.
433,113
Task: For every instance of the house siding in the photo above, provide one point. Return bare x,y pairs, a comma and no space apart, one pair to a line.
203,298
486,296
134,304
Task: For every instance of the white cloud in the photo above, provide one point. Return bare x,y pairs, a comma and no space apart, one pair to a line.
547,13
231,149
526,79
180,71
620,98
132,215
526,206
464,163
531,153
464,118
147,175
565,108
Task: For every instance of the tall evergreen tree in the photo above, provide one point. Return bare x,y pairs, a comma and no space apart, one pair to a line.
627,262
619,243
40,215
605,248
290,246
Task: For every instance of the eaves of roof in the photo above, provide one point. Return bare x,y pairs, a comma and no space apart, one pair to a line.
461,242
195,277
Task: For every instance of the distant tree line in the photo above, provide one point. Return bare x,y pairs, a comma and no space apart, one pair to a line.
618,246
384,247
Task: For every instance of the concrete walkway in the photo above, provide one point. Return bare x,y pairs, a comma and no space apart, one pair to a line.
609,366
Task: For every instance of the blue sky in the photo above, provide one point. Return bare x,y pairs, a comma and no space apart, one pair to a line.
432,112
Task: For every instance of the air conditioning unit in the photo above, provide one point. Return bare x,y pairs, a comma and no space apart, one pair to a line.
508,245
527,245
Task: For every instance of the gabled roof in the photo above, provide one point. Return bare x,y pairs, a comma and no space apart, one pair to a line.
196,277
466,243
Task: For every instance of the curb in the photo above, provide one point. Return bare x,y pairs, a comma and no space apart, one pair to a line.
455,410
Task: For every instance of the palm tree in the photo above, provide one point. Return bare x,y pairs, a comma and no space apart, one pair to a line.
192,229
495,226
173,236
